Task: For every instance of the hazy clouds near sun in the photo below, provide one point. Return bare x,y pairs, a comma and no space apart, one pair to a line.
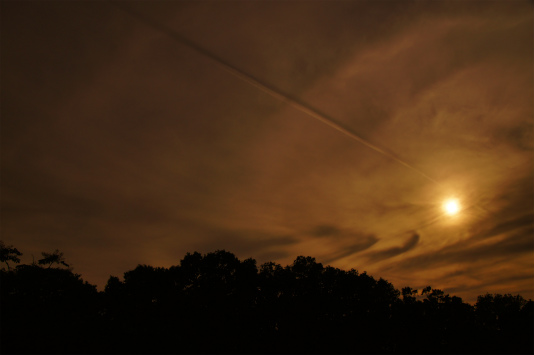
122,146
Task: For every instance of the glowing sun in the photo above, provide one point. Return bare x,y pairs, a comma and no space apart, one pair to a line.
451,207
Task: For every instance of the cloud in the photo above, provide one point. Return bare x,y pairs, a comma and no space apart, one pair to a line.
394,251
362,243
505,226
484,286
325,230
465,252
520,136
247,242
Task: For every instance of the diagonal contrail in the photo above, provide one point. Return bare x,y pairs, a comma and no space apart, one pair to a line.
274,92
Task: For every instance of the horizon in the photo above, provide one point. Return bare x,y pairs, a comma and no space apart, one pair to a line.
217,304
418,291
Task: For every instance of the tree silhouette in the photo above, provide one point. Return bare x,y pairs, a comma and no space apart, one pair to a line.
8,253
47,310
507,319
53,258
408,294
216,303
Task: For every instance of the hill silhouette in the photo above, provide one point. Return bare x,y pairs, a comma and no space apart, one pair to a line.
216,303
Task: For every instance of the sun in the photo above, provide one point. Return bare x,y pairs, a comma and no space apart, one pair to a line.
451,207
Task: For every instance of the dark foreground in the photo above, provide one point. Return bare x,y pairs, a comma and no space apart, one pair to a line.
218,304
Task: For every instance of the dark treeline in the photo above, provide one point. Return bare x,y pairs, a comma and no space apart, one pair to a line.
215,303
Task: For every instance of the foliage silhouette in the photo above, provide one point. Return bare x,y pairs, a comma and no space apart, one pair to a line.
52,258
215,303
8,253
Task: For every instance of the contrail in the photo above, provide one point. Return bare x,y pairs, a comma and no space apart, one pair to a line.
274,92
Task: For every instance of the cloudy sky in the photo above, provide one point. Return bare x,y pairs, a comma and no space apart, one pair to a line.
127,139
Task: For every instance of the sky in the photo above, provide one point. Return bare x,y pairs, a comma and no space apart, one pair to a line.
134,132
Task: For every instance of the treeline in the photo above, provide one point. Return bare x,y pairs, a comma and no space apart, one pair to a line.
215,303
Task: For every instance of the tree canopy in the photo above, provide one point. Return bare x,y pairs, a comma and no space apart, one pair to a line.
216,303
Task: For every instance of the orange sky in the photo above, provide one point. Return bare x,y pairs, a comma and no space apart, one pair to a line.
122,145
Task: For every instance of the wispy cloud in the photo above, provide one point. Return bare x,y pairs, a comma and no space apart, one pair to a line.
394,251
363,242
466,252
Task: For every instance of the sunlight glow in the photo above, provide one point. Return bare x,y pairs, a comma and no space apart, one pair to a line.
451,207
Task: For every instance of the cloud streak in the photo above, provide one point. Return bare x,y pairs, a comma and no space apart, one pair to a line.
517,241
394,251
362,243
